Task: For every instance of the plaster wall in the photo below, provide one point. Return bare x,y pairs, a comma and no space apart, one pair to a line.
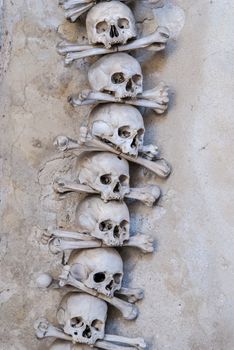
188,282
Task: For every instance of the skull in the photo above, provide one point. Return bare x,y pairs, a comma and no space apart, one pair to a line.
106,173
83,317
100,269
108,222
119,74
110,23
67,345
120,125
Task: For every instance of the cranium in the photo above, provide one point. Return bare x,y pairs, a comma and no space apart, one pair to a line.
67,345
108,222
83,317
118,124
100,269
110,23
106,173
119,74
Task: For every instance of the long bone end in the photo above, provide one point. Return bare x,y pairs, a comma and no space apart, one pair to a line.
45,329
139,343
147,195
143,242
131,294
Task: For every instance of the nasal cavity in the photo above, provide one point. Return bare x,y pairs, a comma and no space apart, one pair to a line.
117,187
114,32
110,285
134,142
116,232
129,85
87,332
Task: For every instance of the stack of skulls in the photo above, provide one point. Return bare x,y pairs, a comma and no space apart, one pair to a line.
114,135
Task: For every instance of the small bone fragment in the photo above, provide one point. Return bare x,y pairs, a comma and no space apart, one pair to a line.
44,280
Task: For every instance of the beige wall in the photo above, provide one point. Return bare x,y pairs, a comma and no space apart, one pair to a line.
189,281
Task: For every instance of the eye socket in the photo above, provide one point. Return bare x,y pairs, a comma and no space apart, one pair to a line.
123,225
105,225
99,277
140,133
117,277
123,179
97,324
76,322
102,27
105,179
137,79
124,132
123,23
117,78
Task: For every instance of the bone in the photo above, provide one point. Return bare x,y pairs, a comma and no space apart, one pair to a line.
139,343
52,233
102,344
132,294
73,12
45,329
155,41
57,245
159,166
128,310
156,99
75,8
143,242
59,241
148,195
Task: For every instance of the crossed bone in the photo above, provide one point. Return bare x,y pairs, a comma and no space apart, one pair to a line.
148,195
75,8
60,240
45,329
156,98
87,142
155,41
127,308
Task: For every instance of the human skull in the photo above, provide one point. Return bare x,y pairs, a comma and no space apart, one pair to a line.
119,74
100,269
108,222
59,344
83,317
106,173
110,23
119,125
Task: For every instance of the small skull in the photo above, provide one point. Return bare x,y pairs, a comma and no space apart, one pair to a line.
100,269
119,74
83,317
110,23
106,173
108,222
59,344
119,125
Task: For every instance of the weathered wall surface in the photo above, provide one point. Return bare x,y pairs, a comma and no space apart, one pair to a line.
188,281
